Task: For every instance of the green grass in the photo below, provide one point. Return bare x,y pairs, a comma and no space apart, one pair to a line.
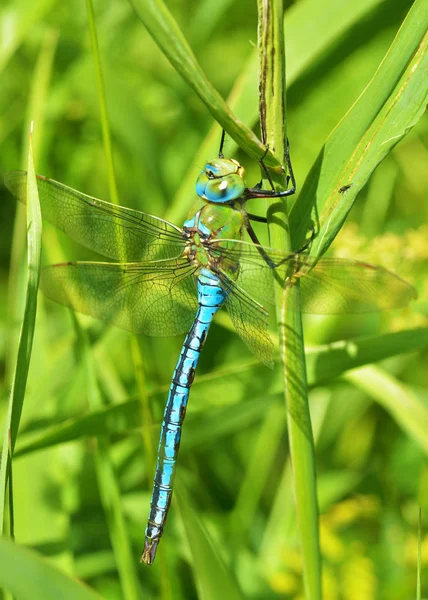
356,77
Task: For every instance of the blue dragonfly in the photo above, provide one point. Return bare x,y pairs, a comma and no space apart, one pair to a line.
169,280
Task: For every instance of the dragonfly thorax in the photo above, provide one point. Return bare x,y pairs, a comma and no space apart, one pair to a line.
221,181
212,223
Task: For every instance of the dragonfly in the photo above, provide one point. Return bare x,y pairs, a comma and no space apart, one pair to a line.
168,280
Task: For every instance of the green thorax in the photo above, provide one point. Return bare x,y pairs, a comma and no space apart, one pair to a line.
213,222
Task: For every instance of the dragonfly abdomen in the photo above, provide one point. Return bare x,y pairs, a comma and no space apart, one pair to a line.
211,297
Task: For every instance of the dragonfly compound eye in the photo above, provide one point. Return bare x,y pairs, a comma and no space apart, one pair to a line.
221,181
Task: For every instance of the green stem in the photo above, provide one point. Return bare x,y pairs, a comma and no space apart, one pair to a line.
272,117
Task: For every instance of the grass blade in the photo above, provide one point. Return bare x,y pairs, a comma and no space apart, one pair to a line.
27,576
108,487
418,574
388,108
19,382
309,32
403,405
213,580
40,82
114,198
324,363
18,19
166,33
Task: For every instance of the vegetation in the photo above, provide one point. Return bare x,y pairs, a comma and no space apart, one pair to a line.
84,453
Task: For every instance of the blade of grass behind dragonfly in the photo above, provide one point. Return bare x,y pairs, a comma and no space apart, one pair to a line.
213,579
396,397
107,483
106,476
260,463
105,127
324,364
309,32
18,18
166,33
33,513
27,576
20,374
104,465
390,105
419,560
273,120
35,113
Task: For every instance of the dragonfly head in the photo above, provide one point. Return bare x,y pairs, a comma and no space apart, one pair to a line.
221,181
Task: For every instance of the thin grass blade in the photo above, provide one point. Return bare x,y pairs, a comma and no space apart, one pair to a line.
324,364
310,32
19,382
114,198
27,576
402,404
107,483
213,580
166,33
389,107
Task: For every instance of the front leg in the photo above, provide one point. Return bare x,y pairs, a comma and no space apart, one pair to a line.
263,252
258,192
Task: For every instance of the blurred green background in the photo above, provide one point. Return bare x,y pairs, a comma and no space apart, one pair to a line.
234,473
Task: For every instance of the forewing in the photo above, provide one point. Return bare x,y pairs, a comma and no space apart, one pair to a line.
156,299
111,230
328,285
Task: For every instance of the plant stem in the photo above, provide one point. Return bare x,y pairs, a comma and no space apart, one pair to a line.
272,117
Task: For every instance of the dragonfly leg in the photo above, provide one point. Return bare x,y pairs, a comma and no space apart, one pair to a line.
265,255
309,241
258,192
256,218
260,248
220,150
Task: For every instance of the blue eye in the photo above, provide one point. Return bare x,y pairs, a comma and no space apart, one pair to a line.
222,180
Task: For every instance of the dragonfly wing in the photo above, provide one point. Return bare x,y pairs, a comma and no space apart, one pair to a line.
156,299
328,285
250,320
345,286
111,230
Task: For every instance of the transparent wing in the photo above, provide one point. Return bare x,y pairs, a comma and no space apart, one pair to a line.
250,320
111,230
159,298
328,285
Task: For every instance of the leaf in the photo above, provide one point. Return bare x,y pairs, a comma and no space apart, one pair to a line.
107,482
309,33
166,33
324,364
17,19
27,576
388,108
213,579
407,410
105,127
19,381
